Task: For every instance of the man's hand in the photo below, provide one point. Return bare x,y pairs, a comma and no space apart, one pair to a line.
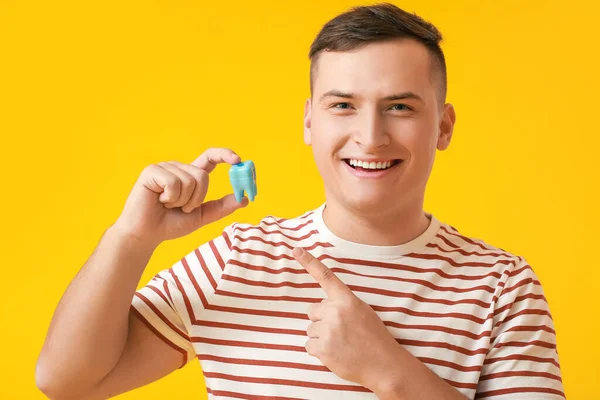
167,200
346,334
349,338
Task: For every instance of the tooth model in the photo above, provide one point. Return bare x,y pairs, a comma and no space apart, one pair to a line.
243,178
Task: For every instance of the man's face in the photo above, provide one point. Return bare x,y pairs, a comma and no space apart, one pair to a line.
357,127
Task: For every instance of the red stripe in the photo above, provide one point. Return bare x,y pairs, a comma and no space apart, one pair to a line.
227,241
466,239
186,300
413,313
417,281
165,285
434,328
519,284
322,368
539,343
268,298
161,336
167,291
528,328
523,312
442,345
400,267
426,360
410,268
285,364
262,268
421,299
226,325
253,345
515,272
279,244
199,291
459,251
261,229
448,364
422,256
517,300
264,363
296,228
205,269
445,240
270,346
217,254
159,293
160,315
250,282
301,271
404,310
228,393
248,311
302,349
500,392
463,264
520,373
522,357
355,288
287,382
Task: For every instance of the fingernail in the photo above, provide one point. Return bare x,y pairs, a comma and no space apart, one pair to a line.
297,252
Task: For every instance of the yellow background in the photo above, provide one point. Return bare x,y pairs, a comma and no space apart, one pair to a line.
92,92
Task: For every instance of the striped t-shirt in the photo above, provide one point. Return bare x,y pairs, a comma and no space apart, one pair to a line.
474,314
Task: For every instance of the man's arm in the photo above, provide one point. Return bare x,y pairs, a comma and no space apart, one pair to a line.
96,348
93,342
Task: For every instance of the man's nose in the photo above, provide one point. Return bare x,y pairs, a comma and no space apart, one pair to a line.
370,132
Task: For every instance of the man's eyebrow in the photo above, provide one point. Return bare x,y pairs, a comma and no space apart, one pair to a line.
398,96
337,93
402,96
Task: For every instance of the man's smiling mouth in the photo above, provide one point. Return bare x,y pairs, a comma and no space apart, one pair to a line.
371,165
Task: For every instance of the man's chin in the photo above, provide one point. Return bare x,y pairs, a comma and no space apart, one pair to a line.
371,204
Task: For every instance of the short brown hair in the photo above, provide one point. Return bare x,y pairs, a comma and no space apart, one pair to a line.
360,26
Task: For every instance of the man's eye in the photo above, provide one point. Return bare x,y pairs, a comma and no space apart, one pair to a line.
401,105
344,105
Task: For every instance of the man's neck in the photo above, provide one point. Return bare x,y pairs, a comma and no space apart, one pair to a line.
384,229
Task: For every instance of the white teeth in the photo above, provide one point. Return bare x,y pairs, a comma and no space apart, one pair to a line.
370,165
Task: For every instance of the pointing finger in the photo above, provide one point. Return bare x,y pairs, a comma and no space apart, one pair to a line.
330,283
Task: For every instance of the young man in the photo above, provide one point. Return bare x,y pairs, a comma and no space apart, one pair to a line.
367,296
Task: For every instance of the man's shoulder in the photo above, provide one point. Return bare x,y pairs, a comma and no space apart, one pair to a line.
471,248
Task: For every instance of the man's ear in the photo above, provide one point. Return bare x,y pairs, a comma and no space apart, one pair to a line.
307,122
446,127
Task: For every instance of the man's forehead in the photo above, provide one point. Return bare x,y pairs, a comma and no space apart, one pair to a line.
388,67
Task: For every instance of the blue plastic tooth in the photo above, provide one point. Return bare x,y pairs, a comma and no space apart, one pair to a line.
243,179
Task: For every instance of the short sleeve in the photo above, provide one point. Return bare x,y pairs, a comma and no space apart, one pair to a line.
522,362
170,303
